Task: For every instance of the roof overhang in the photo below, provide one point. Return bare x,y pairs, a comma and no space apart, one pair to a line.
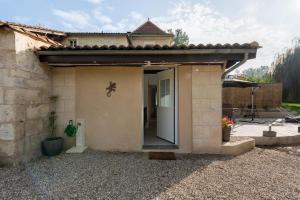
139,57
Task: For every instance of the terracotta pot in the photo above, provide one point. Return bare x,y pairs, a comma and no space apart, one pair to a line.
226,134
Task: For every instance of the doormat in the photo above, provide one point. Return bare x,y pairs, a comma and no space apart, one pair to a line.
162,156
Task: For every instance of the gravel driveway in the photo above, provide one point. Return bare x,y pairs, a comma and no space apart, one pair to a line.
259,174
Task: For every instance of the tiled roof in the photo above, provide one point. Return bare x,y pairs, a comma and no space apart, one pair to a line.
149,28
30,33
33,28
252,45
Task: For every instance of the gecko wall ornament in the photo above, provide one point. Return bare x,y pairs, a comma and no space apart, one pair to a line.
111,88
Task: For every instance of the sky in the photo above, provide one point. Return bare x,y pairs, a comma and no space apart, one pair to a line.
274,24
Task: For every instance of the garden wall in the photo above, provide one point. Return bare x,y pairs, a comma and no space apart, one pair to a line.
267,96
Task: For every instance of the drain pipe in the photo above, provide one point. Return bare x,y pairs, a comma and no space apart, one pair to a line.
235,66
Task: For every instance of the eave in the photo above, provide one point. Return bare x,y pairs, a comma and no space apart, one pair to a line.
227,55
139,57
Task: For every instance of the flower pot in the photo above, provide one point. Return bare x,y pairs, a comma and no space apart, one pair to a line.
226,134
52,146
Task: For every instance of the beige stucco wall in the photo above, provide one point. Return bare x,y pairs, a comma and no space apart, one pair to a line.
98,40
115,123
25,86
207,108
112,123
151,40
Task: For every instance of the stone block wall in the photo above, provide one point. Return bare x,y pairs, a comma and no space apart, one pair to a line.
206,109
25,86
64,87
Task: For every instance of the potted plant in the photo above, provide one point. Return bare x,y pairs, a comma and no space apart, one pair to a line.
226,128
52,145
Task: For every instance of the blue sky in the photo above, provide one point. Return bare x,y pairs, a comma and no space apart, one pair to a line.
273,23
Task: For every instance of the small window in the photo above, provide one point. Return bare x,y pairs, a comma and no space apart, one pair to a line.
73,43
164,93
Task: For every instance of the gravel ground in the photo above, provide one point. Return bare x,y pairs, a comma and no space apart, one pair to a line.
259,174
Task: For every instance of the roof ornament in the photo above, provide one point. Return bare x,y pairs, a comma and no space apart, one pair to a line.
148,19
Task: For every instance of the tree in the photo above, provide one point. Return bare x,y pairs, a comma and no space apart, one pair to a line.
180,37
258,75
286,69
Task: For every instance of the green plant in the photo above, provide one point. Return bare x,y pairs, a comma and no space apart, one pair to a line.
52,115
292,106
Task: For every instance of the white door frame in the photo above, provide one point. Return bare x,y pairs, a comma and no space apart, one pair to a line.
176,106
176,103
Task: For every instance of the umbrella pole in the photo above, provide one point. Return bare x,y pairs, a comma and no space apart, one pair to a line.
252,103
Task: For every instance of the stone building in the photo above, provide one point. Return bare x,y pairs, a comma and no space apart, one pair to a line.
166,97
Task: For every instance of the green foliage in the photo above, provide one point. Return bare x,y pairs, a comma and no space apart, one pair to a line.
292,106
258,75
180,37
52,115
286,69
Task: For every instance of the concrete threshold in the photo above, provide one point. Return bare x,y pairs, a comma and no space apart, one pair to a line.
155,147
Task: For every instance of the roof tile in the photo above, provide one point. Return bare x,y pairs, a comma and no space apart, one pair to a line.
149,28
252,45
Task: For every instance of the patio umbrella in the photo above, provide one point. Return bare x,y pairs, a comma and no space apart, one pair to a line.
243,84
239,83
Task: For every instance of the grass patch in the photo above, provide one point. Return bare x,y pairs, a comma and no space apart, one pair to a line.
292,106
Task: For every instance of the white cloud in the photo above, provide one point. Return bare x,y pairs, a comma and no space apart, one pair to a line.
136,16
73,18
129,23
206,25
101,17
95,1
110,28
